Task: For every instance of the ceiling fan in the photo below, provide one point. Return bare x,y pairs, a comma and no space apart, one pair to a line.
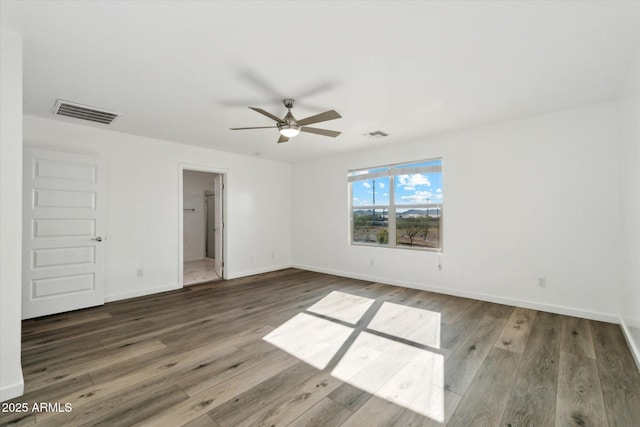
289,127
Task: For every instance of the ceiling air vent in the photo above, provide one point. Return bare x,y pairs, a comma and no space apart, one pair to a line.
84,112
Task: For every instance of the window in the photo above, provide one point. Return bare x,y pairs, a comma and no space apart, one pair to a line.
397,205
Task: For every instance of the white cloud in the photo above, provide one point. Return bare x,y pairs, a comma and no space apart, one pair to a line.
410,182
419,197
439,190
357,201
381,184
366,184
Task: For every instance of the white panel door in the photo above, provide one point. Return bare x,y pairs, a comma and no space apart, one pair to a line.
63,232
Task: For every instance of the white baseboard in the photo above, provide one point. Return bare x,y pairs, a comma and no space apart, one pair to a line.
567,311
258,271
174,286
633,346
12,391
141,292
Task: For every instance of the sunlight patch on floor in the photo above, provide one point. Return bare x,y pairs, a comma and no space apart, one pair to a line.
310,338
339,305
402,374
409,323
387,357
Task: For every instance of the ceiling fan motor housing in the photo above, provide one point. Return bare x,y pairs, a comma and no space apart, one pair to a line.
289,127
288,103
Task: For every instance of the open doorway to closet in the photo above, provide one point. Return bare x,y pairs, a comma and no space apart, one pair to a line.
202,226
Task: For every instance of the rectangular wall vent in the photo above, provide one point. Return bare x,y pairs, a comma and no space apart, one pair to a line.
84,112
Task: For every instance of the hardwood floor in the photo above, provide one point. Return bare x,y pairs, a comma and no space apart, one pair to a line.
358,354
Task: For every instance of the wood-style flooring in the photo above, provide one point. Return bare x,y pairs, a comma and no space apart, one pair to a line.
358,354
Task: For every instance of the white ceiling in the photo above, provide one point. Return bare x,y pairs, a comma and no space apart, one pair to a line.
186,71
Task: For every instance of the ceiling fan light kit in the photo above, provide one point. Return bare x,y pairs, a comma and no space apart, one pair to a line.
289,127
288,130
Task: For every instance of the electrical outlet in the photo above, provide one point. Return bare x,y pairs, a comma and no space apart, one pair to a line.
542,282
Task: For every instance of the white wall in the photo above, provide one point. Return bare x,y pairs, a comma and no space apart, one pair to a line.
195,184
11,381
524,199
630,207
143,205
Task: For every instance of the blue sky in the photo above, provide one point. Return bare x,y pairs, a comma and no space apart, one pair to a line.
409,189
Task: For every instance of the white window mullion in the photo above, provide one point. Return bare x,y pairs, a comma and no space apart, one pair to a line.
392,212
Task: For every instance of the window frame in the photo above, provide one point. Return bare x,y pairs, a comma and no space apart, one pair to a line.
391,172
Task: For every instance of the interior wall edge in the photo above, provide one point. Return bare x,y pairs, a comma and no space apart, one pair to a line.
567,311
11,137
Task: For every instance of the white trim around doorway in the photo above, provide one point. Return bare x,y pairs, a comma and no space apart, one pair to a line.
199,168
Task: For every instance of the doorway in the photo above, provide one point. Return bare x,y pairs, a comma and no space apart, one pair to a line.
202,226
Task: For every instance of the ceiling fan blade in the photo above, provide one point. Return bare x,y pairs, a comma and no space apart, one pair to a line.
323,132
268,114
322,117
282,139
257,127
312,91
261,83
